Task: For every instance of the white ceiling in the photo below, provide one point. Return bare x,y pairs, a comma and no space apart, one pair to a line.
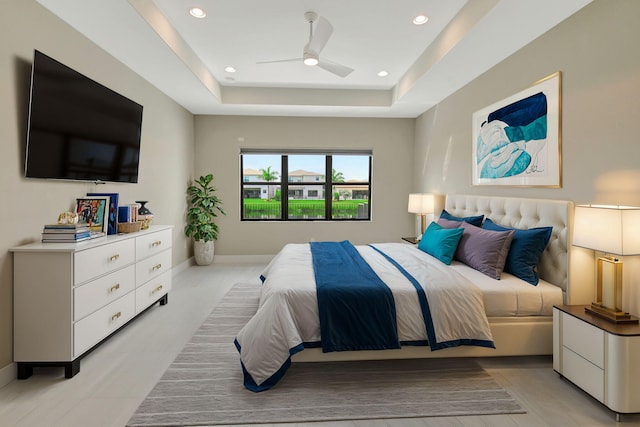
185,57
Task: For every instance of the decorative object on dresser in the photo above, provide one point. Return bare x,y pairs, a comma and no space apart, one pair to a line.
92,211
57,233
130,220
127,213
421,204
112,213
204,208
68,298
129,227
68,218
144,214
598,356
612,230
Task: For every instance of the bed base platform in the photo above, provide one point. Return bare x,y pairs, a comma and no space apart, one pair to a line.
521,336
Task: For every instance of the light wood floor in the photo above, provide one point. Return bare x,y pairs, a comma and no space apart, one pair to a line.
116,377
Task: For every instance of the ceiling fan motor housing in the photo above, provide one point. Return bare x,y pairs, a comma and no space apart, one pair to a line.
310,16
309,57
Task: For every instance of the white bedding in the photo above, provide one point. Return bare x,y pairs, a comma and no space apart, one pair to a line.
288,314
511,296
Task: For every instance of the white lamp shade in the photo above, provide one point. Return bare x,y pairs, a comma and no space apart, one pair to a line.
609,229
421,203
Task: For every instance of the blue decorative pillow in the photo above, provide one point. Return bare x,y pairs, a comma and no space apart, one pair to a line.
484,250
440,242
526,248
474,220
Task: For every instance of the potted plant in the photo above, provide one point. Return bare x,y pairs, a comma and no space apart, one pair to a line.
204,208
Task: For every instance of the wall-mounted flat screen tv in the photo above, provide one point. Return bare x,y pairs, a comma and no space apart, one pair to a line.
79,129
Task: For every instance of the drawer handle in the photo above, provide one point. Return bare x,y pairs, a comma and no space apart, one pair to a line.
114,287
156,267
116,316
114,257
159,288
157,243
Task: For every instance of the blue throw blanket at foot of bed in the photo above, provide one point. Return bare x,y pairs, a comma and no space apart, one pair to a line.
357,310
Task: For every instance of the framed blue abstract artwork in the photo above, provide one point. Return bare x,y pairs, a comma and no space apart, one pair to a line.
517,141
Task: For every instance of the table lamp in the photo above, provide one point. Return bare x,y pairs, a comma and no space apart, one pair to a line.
421,204
614,230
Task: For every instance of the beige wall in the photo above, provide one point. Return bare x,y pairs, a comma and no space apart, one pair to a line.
167,142
597,52
218,143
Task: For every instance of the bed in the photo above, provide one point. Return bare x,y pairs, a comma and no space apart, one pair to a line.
515,317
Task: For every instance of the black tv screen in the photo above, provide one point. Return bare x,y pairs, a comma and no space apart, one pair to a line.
79,129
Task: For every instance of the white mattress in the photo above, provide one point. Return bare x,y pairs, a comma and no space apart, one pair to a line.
511,296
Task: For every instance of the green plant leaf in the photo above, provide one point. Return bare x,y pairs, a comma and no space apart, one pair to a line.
204,207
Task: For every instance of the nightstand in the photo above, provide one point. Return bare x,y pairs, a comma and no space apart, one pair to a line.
412,240
598,356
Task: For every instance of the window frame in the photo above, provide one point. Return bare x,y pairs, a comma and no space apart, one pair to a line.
284,182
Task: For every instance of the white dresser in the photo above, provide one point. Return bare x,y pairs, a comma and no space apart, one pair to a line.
600,357
68,297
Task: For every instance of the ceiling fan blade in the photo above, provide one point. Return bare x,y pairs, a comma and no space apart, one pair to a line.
280,60
335,68
320,35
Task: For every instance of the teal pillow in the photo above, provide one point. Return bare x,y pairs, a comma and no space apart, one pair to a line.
440,242
525,251
473,220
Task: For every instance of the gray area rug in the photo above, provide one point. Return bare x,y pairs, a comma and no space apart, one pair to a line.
203,386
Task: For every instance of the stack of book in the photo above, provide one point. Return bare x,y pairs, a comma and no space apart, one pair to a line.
128,213
61,233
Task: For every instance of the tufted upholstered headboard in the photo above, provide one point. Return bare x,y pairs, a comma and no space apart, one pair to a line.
527,213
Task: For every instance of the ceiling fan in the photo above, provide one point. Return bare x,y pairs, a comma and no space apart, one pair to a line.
317,40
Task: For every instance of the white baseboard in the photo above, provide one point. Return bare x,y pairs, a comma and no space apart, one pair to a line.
182,266
8,374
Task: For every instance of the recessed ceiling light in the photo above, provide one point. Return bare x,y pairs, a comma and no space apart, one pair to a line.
420,19
383,73
196,12
230,69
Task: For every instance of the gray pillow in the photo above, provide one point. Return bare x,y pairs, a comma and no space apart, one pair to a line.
484,250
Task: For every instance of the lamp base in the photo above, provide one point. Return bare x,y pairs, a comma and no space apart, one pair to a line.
609,314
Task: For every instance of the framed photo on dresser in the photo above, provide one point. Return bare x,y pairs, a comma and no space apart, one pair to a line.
112,213
92,211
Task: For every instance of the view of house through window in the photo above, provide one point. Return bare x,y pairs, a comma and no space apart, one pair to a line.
315,185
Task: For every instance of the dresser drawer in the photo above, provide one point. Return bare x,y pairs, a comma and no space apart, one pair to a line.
152,291
584,339
583,373
152,267
100,260
95,327
153,243
102,291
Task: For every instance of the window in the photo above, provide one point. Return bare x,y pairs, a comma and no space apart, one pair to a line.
318,185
